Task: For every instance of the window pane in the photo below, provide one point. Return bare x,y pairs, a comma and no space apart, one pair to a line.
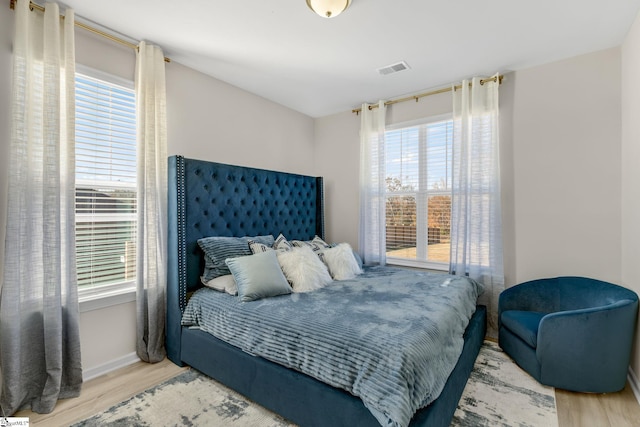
401,226
439,138
105,182
401,158
418,188
438,234
105,252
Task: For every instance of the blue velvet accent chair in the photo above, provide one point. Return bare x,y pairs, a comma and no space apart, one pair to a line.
572,333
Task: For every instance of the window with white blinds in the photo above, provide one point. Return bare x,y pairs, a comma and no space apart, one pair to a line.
105,183
418,193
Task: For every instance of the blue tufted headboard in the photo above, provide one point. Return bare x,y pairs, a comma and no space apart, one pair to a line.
214,199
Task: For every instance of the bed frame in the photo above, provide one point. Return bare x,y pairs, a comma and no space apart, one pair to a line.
213,199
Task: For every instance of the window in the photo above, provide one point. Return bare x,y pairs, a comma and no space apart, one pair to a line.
418,193
105,184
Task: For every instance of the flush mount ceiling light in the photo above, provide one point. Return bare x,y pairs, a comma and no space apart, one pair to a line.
328,8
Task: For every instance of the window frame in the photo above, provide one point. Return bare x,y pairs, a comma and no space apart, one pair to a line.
421,196
100,296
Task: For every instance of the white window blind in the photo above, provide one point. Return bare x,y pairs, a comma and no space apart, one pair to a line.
418,190
105,182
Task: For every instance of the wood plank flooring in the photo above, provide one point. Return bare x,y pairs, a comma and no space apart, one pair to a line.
105,391
584,410
574,409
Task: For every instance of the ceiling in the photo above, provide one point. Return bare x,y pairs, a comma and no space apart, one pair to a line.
280,50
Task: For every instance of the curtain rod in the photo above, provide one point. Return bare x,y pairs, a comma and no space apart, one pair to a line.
91,29
433,92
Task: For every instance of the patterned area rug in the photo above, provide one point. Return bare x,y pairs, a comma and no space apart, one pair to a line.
498,393
189,399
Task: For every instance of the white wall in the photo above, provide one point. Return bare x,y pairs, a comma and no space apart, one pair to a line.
207,119
566,145
211,120
631,170
337,160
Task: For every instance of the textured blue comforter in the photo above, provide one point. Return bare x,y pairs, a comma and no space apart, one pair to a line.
391,336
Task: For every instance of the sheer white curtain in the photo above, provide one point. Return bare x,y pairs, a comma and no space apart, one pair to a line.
372,184
476,222
152,202
39,336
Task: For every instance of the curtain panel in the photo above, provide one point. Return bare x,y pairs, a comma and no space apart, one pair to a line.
151,202
476,221
39,335
372,185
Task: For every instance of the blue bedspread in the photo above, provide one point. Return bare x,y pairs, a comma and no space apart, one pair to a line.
391,336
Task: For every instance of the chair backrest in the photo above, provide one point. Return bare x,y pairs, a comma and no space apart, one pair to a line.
573,293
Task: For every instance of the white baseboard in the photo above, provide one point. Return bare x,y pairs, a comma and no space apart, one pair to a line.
112,365
635,383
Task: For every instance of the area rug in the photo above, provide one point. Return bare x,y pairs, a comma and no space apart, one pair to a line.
189,399
498,393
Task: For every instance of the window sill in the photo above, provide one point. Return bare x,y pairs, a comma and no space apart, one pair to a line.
424,265
90,301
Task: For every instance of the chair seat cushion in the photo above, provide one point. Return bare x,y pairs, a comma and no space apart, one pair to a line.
524,324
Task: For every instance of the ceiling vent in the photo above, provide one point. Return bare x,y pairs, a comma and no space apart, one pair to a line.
393,68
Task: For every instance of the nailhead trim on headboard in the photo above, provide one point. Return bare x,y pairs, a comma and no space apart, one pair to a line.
320,202
182,232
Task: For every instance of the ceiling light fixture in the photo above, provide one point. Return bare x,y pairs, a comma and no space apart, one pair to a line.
328,8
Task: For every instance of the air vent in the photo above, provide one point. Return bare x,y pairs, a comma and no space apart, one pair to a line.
393,68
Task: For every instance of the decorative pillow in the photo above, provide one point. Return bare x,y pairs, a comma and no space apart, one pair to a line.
257,248
341,262
258,276
316,244
217,249
282,243
224,283
303,269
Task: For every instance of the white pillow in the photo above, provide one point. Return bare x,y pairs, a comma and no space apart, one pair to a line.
341,262
224,283
303,269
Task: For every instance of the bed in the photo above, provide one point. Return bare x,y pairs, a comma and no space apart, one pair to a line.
212,199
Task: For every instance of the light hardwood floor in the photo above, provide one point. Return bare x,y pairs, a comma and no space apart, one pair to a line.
103,392
574,409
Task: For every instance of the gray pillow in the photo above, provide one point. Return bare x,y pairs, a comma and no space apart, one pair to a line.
217,249
258,276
